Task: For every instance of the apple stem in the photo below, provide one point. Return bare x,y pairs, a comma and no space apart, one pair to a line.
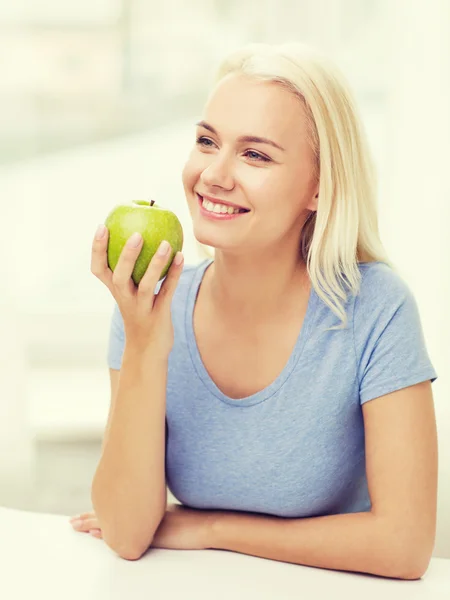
152,202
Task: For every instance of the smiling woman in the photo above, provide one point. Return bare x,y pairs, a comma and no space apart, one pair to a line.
287,134
295,382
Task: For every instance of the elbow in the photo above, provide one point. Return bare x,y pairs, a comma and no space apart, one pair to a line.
410,570
129,547
413,565
128,551
125,545
128,540
407,558
130,554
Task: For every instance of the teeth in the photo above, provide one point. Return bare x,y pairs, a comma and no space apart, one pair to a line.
219,208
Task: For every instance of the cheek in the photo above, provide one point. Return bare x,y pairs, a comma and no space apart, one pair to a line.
187,175
267,189
191,172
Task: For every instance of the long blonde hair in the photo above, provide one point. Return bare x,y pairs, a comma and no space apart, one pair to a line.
344,230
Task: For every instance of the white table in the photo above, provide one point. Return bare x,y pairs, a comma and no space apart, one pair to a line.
41,556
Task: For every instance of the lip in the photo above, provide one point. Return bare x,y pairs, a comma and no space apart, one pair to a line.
217,216
219,201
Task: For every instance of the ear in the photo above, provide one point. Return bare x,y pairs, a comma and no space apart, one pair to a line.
313,202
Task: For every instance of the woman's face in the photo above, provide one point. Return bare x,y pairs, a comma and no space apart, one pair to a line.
274,182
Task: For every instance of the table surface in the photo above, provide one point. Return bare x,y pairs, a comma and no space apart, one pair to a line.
41,554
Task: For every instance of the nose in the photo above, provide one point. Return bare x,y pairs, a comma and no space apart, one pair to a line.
218,173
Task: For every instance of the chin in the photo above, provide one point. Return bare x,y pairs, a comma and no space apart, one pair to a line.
211,240
206,240
210,234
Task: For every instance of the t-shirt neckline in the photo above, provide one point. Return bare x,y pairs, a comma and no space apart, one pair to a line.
200,368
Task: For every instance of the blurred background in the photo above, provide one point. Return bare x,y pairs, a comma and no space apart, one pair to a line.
98,101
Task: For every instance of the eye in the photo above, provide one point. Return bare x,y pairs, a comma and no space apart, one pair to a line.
201,141
258,157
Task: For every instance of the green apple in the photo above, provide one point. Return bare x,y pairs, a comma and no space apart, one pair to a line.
153,222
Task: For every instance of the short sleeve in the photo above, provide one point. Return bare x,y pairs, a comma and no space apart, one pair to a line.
116,342
390,344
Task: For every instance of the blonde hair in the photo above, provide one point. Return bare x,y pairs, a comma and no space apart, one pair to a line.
344,230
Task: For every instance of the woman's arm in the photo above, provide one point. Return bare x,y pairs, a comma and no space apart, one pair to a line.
114,376
396,538
128,493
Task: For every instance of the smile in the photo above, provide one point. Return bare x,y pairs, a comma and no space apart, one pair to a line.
218,212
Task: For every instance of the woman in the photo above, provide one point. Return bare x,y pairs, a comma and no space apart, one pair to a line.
290,370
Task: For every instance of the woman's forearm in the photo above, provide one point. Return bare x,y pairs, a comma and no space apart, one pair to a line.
129,489
359,542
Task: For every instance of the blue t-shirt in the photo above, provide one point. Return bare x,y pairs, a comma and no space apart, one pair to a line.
296,448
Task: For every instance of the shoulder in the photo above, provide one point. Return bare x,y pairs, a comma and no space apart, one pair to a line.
380,279
384,305
382,288
389,340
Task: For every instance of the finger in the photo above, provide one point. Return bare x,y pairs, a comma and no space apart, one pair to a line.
99,257
85,515
96,533
85,524
169,285
121,277
153,272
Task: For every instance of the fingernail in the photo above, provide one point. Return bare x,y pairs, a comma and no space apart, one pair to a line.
101,230
135,239
76,523
94,531
163,248
178,258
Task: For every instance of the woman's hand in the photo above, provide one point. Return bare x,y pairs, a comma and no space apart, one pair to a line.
87,523
181,528
146,316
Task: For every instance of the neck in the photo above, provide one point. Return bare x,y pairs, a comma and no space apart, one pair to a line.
251,288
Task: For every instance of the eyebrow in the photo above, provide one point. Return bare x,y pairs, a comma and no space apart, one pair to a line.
243,138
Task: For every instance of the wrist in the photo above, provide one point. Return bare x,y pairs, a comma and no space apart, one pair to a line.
213,530
139,350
